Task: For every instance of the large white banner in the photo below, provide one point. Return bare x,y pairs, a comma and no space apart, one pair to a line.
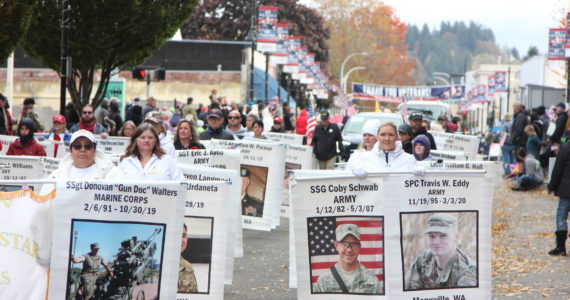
213,158
231,211
457,142
262,171
20,167
116,239
438,235
487,166
448,155
339,228
203,256
112,144
297,157
285,138
25,242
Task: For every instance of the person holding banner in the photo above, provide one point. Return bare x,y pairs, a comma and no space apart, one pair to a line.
348,275
421,148
186,137
85,161
405,132
26,144
145,160
387,154
234,124
369,131
165,139
257,132
443,265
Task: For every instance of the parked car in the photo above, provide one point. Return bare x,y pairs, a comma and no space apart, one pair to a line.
352,131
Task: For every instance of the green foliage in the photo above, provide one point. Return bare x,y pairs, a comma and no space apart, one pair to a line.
15,16
452,49
532,51
105,35
231,20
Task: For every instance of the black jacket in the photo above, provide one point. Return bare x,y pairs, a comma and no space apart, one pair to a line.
518,137
325,141
424,131
560,126
560,179
218,134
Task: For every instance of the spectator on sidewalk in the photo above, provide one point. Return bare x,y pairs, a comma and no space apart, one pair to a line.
134,113
26,144
561,118
103,112
560,186
215,129
234,125
189,109
89,123
326,139
277,125
58,132
5,118
150,106
506,146
28,112
301,123
415,120
532,175
520,120
533,143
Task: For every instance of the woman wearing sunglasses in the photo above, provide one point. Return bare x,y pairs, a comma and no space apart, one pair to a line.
146,160
84,161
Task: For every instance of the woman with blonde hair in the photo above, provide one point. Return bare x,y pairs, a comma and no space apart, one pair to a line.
186,137
128,129
145,160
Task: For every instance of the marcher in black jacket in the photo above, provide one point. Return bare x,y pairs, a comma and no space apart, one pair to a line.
415,120
560,185
325,140
560,122
520,120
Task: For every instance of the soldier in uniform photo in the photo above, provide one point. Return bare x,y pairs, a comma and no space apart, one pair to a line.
250,206
443,265
186,277
90,274
348,275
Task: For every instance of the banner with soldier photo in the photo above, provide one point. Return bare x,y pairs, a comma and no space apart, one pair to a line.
204,240
297,157
457,142
285,138
20,167
438,235
25,241
232,209
262,169
339,236
116,240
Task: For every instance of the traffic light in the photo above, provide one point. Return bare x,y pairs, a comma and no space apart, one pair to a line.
159,74
139,73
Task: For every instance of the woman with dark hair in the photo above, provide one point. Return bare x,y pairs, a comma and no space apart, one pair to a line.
26,144
257,132
145,160
186,137
115,116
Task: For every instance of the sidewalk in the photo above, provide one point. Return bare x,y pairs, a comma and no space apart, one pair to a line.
523,233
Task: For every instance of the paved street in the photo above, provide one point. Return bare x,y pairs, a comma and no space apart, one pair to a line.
523,225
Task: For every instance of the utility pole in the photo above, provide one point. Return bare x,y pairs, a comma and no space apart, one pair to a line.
252,31
65,9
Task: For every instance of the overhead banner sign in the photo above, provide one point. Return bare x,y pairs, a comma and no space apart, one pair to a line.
457,142
267,29
438,239
500,82
262,169
411,92
556,43
203,250
25,242
135,228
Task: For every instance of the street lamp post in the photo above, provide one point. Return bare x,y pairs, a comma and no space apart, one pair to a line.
345,79
344,63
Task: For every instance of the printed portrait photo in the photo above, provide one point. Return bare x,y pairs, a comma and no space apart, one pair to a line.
253,187
346,255
115,260
439,249
196,255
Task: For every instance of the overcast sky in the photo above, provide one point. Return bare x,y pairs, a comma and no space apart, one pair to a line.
515,23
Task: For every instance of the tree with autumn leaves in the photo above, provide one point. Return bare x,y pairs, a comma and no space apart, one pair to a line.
367,26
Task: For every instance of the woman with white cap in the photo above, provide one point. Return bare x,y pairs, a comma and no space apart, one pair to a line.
369,132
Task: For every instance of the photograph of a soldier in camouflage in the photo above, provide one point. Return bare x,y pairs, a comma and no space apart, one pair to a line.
196,255
115,260
253,187
439,250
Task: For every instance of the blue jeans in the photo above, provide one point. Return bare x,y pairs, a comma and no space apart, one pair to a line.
508,158
562,214
528,182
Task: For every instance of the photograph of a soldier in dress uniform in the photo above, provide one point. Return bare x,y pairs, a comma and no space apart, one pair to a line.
114,260
439,250
196,255
253,186
346,255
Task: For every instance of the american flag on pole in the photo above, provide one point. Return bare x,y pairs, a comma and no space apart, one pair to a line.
311,124
323,254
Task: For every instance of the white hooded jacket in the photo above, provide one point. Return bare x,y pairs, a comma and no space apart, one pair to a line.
105,168
378,160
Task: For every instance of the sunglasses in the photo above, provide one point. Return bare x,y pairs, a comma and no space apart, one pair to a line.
78,146
87,112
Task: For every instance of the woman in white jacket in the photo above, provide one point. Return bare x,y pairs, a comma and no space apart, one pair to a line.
386,155
146,160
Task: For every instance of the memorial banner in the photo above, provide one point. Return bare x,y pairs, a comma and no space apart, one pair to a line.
205,233
457,142
262,169
448,155
487,166
49,165
339,224
440,218
213,158
113,144
285,138
297,158
20,168
232,210
25,242
116,240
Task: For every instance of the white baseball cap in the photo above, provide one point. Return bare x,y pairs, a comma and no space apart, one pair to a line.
82,133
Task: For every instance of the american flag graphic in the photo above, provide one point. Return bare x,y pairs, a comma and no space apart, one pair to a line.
323,254
311,124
